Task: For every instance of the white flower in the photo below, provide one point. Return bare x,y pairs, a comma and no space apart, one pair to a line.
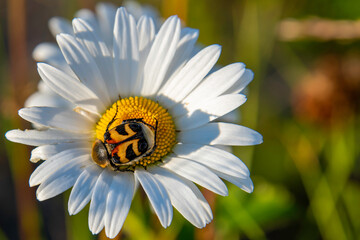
172,97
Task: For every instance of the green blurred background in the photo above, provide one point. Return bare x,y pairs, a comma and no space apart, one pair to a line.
304,100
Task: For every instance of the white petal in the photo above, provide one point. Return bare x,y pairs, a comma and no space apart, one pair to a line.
209,111
106,16
50,53
45,99
213,158
232,117
88,16
118,202
99,51
185,46
98,201
134,8
190,75
182,197
57,161
83,188
45,51
157,195
146,29
222,134
54,57
42,87
50,136
216,83
245,79
160,56
197,173
138,10
70,88
202,200
59,118
146,35
244,183
126,52
62,179
83,65
59,25
44,152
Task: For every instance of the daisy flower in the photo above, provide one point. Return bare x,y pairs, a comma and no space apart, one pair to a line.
138,110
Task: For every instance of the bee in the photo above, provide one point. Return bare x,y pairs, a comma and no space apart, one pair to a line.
125,145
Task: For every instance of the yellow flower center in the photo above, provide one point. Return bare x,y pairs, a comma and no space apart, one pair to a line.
151,114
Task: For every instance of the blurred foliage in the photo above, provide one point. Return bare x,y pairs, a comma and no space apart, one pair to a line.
307,171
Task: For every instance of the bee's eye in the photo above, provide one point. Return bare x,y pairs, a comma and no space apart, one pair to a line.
143,145
135,127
